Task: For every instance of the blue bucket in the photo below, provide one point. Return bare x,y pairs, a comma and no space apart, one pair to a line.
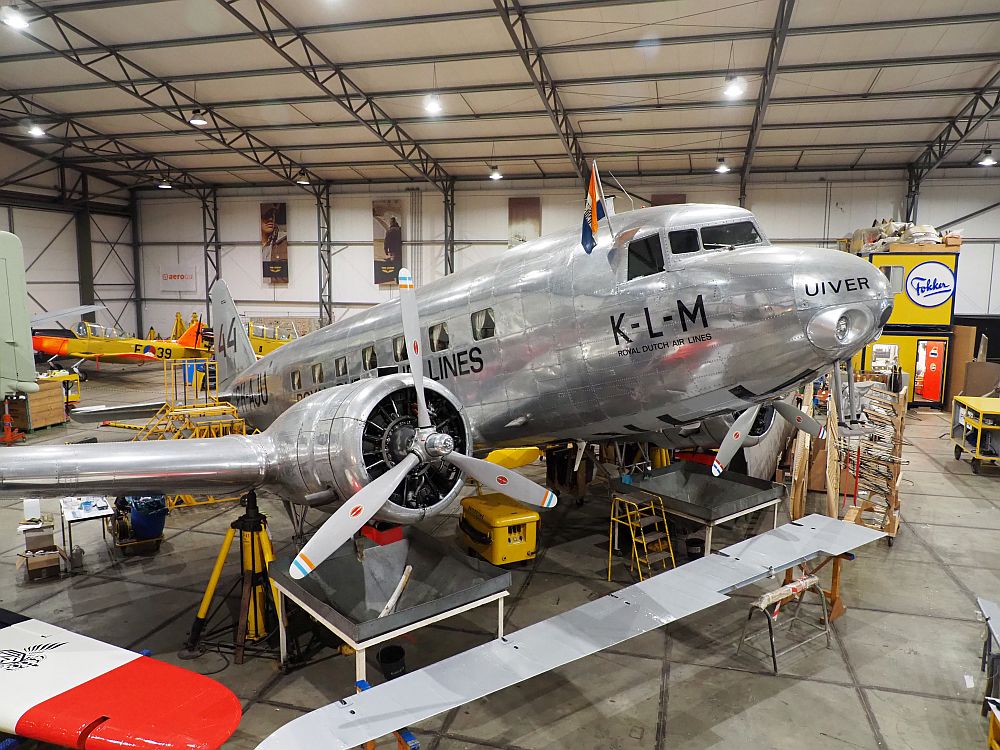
148,515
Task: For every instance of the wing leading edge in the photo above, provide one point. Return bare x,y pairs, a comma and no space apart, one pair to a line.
572,635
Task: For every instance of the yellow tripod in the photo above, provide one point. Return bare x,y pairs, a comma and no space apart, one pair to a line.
258,600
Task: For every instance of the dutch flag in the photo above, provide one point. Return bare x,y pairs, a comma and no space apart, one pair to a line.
592,214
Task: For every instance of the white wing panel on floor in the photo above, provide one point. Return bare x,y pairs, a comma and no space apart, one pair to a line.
549,644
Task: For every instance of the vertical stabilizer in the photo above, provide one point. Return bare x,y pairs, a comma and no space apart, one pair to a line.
17,358
191,338
233,350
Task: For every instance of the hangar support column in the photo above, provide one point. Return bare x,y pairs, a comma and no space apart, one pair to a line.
323,248
449,228
84,249
133,217
212,245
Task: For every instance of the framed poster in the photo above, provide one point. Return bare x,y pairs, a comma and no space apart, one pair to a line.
274,242
524,220
387,236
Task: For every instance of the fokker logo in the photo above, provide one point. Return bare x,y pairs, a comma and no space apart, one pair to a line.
502,480
32,656
356,511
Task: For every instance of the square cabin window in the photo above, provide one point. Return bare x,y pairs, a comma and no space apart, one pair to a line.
369,360
399,349
296,380
317,373
684,241
483,324
341,366
645,256
438,335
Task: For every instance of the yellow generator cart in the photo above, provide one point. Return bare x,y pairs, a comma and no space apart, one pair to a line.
498,529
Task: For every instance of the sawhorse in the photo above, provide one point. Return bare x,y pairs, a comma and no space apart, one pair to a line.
404,737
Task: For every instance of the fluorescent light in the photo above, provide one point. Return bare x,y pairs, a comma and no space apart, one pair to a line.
198,118
988,160
36,130
14,18
723,167
302,178
432,104
495,173
164,185
735,87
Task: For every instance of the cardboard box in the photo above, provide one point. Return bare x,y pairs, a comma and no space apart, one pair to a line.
40,565
36,540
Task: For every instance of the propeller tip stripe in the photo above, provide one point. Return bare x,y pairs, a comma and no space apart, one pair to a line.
307,561
717,467
297,565
549,501
822,433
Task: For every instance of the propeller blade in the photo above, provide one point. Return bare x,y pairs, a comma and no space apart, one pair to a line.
350,517
411,332
503,480
734,439
800,420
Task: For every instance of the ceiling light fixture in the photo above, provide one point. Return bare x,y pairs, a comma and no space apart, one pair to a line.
987,160
723,167
197,118
495,173
36,131
735,87
14,18
164,185
302,178
432,104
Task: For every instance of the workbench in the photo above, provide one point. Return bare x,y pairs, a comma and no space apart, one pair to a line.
975,428
72,510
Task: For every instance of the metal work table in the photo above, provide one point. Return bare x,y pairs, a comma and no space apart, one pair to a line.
346,595
688,490
71,512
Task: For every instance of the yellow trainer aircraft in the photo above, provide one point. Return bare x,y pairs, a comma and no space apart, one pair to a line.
109,344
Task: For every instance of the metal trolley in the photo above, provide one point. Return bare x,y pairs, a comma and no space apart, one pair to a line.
975,428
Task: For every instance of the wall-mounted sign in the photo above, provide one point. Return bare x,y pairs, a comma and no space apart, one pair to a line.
387,236
177,278
274,243
930,284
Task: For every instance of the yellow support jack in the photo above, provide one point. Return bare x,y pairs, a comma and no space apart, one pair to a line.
258,599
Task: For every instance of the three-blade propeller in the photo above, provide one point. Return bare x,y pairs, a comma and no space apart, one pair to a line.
737,434
428,445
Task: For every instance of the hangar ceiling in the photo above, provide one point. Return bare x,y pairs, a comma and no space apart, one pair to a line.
319,91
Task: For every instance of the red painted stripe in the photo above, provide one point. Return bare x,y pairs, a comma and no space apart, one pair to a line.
148,704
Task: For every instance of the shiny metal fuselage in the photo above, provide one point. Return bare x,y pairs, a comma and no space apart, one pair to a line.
580,351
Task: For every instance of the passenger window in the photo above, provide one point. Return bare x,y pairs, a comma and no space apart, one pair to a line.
369,360
684,241
341,365
399,349
645,256
729,235
439,337
296,380
317,372
483,324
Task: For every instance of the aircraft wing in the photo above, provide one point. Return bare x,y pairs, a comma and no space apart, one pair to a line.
77,692
572,635
69,312
17,362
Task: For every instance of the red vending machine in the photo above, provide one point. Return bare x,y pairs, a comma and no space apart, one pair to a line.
933,355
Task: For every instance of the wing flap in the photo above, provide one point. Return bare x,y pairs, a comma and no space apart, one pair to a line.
572,635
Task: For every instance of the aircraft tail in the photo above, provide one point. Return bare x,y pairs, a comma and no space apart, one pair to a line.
192,337
17,359
233,350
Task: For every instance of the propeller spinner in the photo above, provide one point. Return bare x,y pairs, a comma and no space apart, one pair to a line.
427,445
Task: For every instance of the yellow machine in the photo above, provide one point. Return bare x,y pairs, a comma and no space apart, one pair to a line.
110,344
70,382
498,529
265,339
975,428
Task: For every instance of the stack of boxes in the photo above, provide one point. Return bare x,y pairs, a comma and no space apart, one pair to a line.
41,556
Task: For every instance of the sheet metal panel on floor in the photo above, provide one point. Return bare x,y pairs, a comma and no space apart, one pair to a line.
564,638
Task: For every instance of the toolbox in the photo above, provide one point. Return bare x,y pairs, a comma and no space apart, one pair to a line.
498,529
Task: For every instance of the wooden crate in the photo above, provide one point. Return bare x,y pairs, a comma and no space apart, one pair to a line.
42,409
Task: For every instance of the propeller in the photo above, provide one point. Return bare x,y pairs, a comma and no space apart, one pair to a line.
427,445
741,427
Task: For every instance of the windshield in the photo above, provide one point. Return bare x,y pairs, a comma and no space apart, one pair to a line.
730,235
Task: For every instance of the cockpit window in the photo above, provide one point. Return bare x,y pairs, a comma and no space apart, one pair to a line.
684,241
729,235
645,256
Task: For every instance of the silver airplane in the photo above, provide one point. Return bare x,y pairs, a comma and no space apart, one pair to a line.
682,318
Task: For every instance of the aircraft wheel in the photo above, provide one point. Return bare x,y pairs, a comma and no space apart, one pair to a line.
958,452
82,375
977,466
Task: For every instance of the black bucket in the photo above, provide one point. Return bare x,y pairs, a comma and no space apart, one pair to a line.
392,661
695,547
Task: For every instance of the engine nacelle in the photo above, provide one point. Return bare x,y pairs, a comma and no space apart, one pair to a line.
338,440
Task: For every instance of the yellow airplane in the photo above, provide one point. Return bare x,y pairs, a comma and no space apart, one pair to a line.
109,344
266,339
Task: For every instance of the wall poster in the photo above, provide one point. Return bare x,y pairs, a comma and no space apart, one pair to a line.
524,220
387,233
274,242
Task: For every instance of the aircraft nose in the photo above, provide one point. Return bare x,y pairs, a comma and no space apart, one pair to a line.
842,300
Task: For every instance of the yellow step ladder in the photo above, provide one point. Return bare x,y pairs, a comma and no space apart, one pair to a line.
646,524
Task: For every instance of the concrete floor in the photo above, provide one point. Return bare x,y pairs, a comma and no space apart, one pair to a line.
903,671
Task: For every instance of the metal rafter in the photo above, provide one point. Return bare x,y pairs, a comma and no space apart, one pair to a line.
985,103
512,15
160,95
778,35
307,59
